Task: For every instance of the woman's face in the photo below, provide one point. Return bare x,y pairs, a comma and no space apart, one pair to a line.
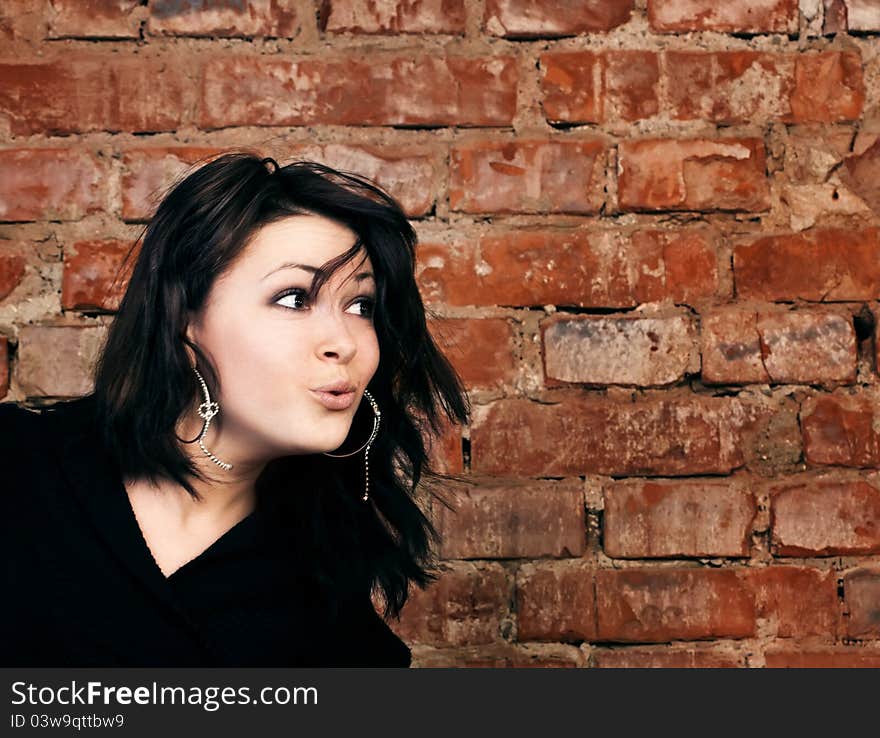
272,348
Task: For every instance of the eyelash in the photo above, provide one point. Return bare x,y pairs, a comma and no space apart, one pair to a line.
368,301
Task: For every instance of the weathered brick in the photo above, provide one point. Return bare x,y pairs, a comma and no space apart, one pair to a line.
828,87
697,174
851,15
12,267
408,174
662,604
444,450
632,349
667,436
480,349
545,18
4,366
843,265
50,184
795,601
842,430
505,519
528,176
810,347
500,656
150,173
92,92
745,16
689,517
93,276
465,606
94,19
224,18
593,87
23,20
728,86
556,601
799,656
825,518
666,657
393,16
861,174
583,267
861,593
57,361
383,90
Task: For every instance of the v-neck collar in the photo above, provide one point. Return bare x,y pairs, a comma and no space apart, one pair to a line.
96,482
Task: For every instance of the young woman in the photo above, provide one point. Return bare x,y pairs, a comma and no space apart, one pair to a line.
243,478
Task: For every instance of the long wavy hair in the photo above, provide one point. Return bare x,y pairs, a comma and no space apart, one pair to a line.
144,380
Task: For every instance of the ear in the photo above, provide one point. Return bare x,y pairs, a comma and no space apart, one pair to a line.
191,334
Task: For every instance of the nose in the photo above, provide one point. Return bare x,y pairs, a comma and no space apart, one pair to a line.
334,337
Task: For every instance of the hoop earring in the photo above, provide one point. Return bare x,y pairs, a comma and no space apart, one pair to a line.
376,417
208,410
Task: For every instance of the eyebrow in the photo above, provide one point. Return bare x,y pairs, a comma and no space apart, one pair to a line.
315,270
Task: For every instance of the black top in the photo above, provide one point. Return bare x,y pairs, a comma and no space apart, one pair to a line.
81,587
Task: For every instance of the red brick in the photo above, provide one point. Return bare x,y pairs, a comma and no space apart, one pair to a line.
661,604
689,517
465,606
843,265
729,86
821,657
875,311
795,601
842,430
665,657
861,174
409,175
94,19
698,174
381,90
239,18
23,20
825,518
393,16
481,350
668,436
861,592
93,277
545,18
851,15
91,92
586,268
505,519
632,349
828,87
807,347
747,16
556,601
150,173
4,366
444,450
12,268
590,87
501,656
528,176
50,184
57,361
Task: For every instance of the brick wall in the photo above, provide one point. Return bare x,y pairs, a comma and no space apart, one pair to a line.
650,235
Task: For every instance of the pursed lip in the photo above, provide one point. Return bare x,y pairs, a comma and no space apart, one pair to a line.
338,387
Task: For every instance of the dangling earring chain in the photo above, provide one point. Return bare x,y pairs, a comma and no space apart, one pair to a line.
376,417
208,410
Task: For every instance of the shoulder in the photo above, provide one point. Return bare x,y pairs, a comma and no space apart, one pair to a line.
23,428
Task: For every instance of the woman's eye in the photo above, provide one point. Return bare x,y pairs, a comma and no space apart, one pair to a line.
297,301
292,294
